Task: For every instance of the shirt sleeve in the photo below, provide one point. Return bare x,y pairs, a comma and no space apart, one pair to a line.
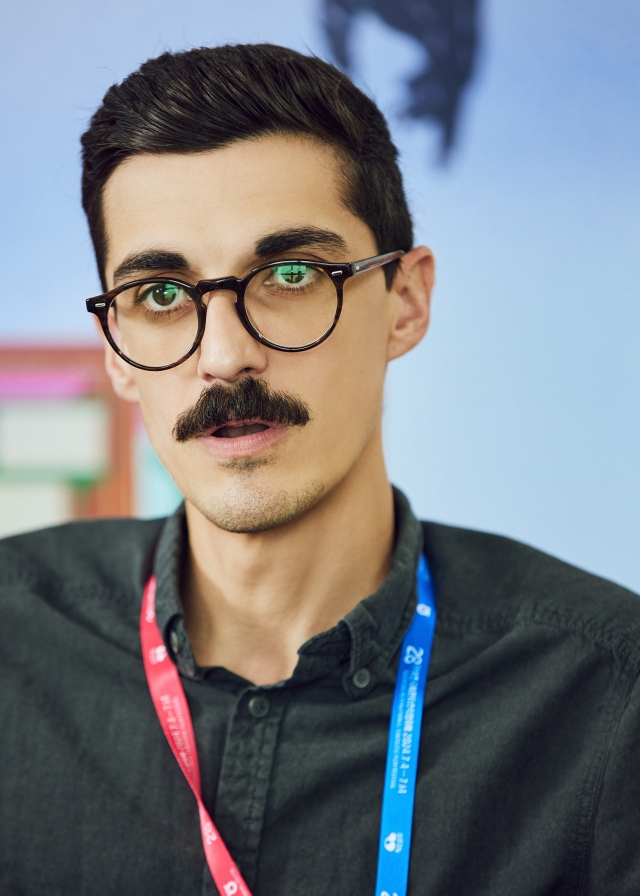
614,860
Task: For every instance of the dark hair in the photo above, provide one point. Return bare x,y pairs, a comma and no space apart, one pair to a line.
207,98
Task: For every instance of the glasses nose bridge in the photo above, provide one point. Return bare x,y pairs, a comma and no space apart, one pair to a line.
223,284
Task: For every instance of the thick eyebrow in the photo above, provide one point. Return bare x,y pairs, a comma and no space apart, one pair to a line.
273,244
298,238
148,262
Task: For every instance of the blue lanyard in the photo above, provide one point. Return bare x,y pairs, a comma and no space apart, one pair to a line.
404,742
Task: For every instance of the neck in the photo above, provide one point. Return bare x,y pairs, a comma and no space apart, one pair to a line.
251,600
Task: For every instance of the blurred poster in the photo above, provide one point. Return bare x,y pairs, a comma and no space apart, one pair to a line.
69,449
447,34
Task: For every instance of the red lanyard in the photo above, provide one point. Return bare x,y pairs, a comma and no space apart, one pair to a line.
173,711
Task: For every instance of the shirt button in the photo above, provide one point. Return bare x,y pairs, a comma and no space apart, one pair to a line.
362,678
258,706
173,640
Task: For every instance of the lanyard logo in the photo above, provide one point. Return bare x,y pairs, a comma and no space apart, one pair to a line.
394,842
413,655
209,835
157,654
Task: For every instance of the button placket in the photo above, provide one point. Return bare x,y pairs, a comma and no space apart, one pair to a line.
245,775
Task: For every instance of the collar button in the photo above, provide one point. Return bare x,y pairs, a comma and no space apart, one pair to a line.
258,706
362,678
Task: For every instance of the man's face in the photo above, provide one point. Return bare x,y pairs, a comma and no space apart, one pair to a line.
224,212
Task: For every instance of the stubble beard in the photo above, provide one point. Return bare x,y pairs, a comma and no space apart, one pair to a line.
247,507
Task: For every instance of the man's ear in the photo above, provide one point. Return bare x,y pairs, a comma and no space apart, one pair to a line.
120,373
412,288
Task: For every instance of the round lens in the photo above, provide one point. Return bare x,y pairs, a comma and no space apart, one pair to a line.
153,323
291,304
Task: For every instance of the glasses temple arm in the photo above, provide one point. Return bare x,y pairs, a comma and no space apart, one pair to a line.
377,261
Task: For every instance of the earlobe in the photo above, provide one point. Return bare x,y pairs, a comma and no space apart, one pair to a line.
121,375
412,288
118,371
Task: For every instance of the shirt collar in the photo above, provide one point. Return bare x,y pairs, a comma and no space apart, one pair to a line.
362,645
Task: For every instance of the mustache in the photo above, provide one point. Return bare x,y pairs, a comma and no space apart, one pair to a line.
248,399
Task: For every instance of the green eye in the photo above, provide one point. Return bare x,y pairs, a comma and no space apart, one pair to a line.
290,273
162,295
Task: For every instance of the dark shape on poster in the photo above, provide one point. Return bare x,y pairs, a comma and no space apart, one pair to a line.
448,32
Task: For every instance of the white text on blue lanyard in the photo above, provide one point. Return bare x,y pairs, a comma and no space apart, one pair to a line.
404,742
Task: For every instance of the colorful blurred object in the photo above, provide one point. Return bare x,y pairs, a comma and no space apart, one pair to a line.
69,449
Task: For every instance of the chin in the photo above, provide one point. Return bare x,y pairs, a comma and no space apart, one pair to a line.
250,510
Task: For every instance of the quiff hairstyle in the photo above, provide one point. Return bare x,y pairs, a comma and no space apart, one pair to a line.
207,98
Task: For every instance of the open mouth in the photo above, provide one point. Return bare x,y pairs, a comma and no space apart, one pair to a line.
237,430
242,438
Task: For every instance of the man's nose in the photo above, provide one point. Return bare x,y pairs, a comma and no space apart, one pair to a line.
228,352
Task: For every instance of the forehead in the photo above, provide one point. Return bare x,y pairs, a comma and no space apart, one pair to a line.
219,202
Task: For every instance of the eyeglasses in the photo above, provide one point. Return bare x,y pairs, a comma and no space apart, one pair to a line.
291,306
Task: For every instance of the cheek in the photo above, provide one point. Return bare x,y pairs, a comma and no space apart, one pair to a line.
343,379
362,342
366,319
161,401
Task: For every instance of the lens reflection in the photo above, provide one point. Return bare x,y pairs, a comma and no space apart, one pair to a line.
291,304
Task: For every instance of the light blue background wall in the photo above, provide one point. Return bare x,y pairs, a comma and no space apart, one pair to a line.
521,411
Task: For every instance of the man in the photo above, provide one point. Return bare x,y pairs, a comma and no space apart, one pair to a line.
256,255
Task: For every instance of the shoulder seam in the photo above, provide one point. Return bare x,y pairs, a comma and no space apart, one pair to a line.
618,646
61,589
590,798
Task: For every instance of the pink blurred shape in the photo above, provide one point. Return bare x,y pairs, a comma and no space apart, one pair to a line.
43,384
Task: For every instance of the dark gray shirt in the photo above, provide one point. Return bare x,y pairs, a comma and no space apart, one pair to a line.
528,780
